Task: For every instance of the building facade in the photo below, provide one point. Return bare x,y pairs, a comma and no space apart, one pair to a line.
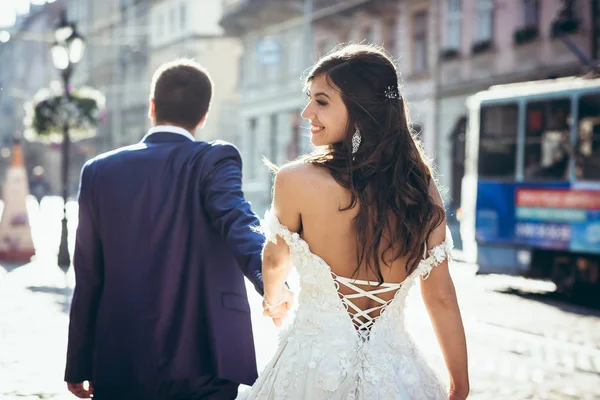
257,52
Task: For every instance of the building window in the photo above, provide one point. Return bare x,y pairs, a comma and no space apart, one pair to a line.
172,19
284,59
161,25
485,17
253,60
530,13
389,35
295,54
140,10
529,29
420,42
182,15
453,21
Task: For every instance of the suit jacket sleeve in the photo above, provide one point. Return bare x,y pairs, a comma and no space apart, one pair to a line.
88,264
229,211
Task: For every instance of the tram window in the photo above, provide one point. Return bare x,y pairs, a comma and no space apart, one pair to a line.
547,130
498,141
588,146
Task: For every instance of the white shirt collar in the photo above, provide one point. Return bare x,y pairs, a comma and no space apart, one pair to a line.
170,129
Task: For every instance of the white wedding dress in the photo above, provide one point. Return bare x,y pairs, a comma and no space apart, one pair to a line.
334,350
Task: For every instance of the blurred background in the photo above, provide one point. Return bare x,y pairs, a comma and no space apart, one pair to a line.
505,95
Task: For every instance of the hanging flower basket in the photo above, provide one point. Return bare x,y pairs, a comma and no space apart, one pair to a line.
50,110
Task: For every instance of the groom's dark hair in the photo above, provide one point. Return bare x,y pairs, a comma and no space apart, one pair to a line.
181,90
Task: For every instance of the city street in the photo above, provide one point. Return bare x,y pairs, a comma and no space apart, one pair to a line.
523,343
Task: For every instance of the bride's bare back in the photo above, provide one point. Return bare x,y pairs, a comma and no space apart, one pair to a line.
324,353
331,233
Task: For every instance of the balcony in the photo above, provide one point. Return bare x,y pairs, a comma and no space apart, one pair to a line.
525,35
333,13
449,54
241,16
566,21
481,46
230,6
563,27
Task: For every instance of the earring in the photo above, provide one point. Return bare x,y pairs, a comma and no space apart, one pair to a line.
356,138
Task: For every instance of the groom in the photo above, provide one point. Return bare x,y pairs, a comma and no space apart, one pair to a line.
165,237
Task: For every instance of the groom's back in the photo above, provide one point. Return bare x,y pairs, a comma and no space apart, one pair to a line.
155,237
148,200
164,239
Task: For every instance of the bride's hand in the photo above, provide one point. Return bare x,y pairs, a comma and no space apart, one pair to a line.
278,309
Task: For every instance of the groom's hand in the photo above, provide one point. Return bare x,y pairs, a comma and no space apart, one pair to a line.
83,390
280,311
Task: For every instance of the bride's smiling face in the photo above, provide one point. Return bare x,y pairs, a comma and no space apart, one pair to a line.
326,112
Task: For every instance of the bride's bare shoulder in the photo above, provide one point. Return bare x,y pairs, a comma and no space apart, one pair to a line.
302,183
301,172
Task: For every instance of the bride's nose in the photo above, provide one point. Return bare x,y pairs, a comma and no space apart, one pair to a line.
307,112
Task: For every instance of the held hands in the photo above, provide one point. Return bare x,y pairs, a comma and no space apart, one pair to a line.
278,305
83,390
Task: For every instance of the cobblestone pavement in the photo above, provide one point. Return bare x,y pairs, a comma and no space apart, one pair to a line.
520,347
523,344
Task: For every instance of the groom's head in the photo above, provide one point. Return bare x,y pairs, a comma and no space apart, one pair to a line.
180,95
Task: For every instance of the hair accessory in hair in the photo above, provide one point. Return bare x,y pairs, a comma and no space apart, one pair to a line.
356,139
392,93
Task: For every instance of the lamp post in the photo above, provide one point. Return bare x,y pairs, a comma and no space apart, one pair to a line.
67,51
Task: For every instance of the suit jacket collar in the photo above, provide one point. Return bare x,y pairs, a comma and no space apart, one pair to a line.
167,133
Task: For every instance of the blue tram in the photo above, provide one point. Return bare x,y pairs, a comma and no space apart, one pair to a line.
531,189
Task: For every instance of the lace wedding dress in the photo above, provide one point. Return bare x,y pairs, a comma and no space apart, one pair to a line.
333,349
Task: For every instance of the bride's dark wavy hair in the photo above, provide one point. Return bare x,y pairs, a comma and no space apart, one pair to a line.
389,176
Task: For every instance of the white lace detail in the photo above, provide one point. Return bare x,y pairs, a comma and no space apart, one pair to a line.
362,319
323,355
436,256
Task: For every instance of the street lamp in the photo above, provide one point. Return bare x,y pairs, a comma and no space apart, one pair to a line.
4,36
67,51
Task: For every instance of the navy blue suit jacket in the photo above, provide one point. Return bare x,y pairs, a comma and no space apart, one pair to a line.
163,243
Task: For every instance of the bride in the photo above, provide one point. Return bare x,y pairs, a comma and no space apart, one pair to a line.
361,220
